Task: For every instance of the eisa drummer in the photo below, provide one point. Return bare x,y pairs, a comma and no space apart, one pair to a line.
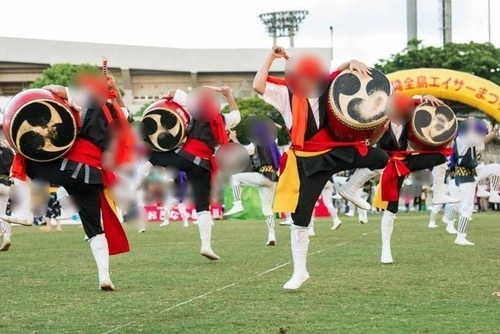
196,155
402,162
314,155
79,170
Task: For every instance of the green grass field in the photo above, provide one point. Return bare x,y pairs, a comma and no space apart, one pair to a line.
49,282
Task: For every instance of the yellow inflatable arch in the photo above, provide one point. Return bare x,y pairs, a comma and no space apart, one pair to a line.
451,85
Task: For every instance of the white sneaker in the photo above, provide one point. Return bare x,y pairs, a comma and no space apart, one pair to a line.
450,228
286,223
494,197
351,190
386,257
142,230
209,254
336,223
310,232
296,281
24,219
444,199
106,285
237,208
432,225
350,213
5,245
185,224
271,238
166,223
462,241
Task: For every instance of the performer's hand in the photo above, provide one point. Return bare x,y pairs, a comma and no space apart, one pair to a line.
226,91
232,136
432,100
169,95
278,52
360,67
57,90
112,83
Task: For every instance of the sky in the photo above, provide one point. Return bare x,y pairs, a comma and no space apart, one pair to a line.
363,29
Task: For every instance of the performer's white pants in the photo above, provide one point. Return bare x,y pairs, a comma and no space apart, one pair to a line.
326,196
4,198
467,194
266,188
486,171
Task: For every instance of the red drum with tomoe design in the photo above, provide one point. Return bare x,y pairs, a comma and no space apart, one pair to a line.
39,125
165,125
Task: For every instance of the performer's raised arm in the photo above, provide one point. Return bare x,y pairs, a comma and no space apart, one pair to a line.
232,118
259,82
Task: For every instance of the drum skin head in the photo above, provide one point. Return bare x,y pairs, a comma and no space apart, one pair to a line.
41,127
433,127
165,125
360,100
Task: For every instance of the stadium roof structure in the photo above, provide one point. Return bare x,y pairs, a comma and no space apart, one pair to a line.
37,51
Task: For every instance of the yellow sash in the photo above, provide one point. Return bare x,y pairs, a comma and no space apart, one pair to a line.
287,191
377,200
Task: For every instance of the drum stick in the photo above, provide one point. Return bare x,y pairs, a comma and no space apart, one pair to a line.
105,67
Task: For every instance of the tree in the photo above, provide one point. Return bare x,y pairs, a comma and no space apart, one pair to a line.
256,106
61,74
138,114
481,59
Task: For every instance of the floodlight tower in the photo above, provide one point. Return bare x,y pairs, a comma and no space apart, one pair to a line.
283,24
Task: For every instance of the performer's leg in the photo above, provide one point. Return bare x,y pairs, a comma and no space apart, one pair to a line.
5,228
87,199
326,196
236,181
491,171
434,212
288,219
439,190
142,215
21,212
266,194
310,189
168,203
367,166
494,188
449,217
387,226
183,213
310,228
363,214
200,183
467,194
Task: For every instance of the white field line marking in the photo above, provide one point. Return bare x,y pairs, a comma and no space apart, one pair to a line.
236,283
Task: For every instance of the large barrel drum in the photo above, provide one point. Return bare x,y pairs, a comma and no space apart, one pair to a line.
357,104
39,125
432,128
165,125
